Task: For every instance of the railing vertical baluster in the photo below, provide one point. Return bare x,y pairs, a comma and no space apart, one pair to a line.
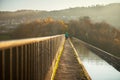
7,64
10,63
36,61
14,63
25,62
33,70
43,61
48,53
51,51
40,60
24,55
54,48
17,63
31,60
28,61
1,75
21,62
3,64
35,53
45,57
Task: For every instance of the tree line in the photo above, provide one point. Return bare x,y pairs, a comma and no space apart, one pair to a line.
100,34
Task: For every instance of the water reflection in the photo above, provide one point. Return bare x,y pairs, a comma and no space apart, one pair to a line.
97,68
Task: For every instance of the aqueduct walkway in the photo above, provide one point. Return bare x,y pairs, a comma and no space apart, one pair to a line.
47,58
69,67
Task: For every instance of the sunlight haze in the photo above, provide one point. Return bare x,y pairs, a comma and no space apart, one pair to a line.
12,5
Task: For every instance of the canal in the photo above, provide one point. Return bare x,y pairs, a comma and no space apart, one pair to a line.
97,68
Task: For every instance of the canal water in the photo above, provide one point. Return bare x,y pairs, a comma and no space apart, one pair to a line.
97,68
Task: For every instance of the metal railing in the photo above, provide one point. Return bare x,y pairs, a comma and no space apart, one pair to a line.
28,59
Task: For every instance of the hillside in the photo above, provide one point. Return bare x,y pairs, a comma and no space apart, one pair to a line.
108,13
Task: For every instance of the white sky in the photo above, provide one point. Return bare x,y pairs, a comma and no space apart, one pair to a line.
12,5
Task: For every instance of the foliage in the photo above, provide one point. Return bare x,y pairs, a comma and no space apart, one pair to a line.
101,34
39,28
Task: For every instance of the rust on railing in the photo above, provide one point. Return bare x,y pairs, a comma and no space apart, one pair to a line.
28,59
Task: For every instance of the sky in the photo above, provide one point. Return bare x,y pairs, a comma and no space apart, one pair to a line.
13,5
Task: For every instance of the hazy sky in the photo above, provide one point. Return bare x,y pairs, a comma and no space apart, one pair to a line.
12,5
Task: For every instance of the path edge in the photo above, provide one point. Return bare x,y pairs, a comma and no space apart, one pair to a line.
80,62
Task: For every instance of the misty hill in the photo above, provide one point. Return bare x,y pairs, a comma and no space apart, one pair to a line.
109,13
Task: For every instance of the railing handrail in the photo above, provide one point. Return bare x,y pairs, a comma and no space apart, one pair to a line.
12,43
